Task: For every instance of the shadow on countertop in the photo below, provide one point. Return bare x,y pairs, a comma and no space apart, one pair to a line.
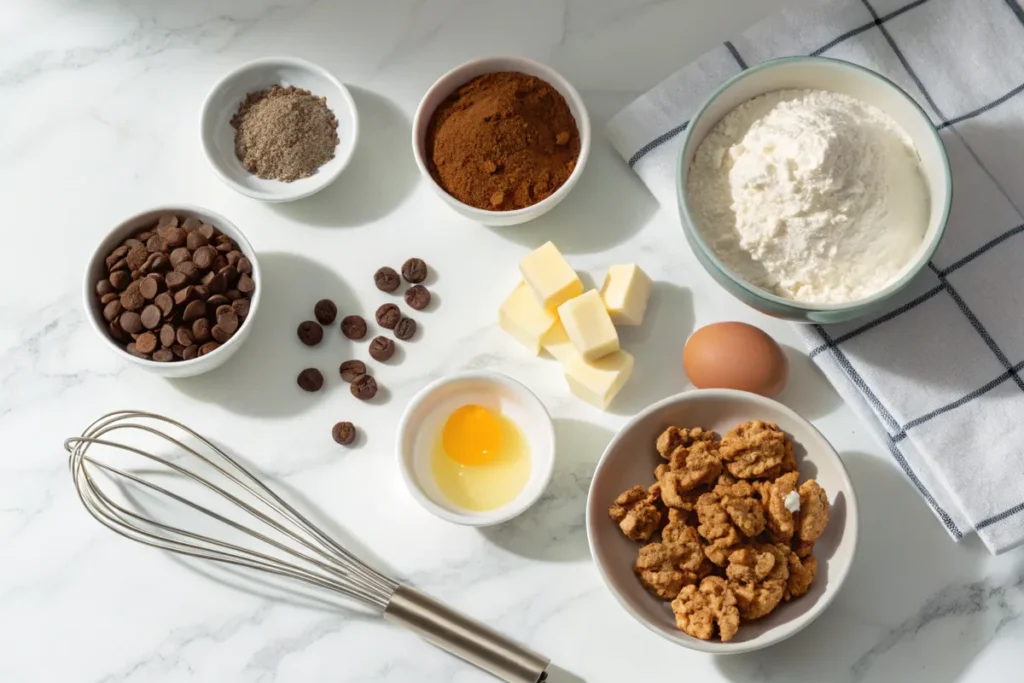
379,176
259,379
807,391
892,620
554,528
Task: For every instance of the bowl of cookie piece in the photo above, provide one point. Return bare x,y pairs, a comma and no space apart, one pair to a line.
722,520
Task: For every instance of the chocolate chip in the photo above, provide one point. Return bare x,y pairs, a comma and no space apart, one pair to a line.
414,270
175,280
163,356
245,284
202,292
228,320
310,379
107,298
417,297
118,333
183,336
178,350
112,310
382,348
120,279
194,240
189,225
310,333
325,311
388,316
232,257
208,347
195,309
131,322
190,352
104,287
241,307
217,300
136,257
167,336
203,257
155,244
244,266
165,220
364,387
150,317
118,265
179,256
131,297
119,253
201,330
174,236
229,273
184,295
148,288
189,269
353,327
351,369
217,284
165,303
386,279
219,334
133,349
146,342
405,329
133,242
344,433
207,230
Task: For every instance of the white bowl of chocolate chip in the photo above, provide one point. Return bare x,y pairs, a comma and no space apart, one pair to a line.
722,520
174,290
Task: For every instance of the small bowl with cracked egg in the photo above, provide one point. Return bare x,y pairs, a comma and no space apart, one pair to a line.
722,520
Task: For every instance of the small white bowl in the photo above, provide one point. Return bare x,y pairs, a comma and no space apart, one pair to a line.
218,136
630,459
425,417
97,270
461,75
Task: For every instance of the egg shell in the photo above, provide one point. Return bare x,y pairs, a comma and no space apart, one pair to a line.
735,355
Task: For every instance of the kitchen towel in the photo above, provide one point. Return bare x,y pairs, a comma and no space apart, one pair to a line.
939,376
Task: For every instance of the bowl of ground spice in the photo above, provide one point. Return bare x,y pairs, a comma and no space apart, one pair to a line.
279,129
502,140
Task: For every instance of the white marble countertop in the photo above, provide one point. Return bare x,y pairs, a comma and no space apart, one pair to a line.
99,120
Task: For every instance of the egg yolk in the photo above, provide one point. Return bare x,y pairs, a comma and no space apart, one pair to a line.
472,435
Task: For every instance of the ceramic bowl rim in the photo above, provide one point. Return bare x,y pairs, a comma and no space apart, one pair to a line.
782,631
689,224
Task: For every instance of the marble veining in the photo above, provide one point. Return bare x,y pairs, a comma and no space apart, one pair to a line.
102,100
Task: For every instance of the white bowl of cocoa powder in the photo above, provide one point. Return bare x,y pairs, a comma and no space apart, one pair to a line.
279,129
501,140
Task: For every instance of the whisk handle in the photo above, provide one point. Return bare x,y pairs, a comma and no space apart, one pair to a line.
456,633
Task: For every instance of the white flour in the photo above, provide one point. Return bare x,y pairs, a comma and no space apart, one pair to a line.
813,195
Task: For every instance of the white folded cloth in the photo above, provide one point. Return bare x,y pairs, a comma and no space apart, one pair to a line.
940,376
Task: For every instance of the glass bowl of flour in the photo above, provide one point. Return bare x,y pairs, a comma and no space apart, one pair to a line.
813,189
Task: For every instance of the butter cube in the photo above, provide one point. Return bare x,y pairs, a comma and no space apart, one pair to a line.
550,277
522,316
599,381
589,326
625,292
557,343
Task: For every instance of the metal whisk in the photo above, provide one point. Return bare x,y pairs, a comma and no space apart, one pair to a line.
284,542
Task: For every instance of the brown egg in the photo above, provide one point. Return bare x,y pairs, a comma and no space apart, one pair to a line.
735,356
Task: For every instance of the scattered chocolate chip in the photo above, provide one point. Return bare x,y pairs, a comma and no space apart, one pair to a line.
190,352
167,336
405,329
351,369
388,316
183,336
201,330
325,311
386,279
344,433
244,265
111,311
163,355
156,244
364,387
310,333
414,270
353,327
134,350
165,220
194,310
194,240
107,298
165,303
131,297
120,279
189,269
417,297
103,287
219,334
245,284
310,379
148,288
382,349
241,307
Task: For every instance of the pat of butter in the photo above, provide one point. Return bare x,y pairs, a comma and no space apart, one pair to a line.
522,316
589,326
550,277
599,381
557,343
625,292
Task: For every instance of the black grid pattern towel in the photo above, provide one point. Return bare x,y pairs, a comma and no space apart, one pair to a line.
940,374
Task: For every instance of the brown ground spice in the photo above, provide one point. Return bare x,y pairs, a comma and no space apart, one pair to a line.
284,133
502,141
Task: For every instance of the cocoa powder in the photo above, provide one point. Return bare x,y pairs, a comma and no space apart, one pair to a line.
502,141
